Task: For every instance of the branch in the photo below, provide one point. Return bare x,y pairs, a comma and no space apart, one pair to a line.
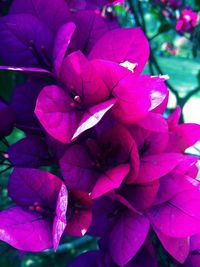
132,8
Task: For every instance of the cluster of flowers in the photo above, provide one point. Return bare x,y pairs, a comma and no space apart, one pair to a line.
118,168
186,19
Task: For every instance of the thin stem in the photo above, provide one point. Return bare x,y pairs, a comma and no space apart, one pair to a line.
6,169
142,16
132,8
5,142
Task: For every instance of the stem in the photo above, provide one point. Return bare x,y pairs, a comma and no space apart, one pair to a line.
5,142
132,8
6,169
142,16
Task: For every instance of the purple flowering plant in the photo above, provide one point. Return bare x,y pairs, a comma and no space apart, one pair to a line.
98,156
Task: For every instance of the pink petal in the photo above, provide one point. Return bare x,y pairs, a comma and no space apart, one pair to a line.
178,248
81,217
184,136
79,223
112,47
174,117
55,113
25,230
167,218
112,179
154,122
84,81
156,166
133,100
159,93
110,72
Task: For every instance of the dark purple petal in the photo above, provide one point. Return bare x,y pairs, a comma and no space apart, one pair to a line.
76,167
90,27
30,151
7,119
141,196
192,261
127,236
23,102
51,13
112,179
146,257
55,113
29,186
81,214
60,221
17,38
61,43
112,47
86,259
25,230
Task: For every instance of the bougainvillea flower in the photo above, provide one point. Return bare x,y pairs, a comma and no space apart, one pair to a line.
30,151
127,87
21,41
100,163
187,21
39,219
122,228
43,42
7,119
65,116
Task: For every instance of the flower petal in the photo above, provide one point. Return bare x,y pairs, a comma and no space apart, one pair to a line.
25,230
